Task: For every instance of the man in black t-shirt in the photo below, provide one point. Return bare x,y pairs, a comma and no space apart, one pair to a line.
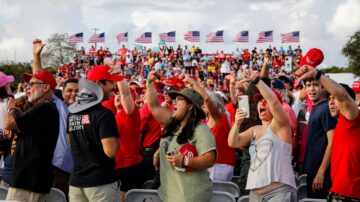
93,139
37,133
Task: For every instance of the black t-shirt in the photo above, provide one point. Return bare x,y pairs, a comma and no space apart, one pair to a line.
91,165
35,144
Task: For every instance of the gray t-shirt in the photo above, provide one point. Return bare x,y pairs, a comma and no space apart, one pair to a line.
186,186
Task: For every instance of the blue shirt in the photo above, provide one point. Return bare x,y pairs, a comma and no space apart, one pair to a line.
62,158
320,122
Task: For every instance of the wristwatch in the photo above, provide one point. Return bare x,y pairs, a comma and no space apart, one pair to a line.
318,74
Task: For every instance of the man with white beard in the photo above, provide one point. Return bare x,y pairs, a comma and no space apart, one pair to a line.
37,132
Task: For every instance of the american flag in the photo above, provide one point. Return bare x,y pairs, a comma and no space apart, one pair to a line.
122,37
97,38
291,37
242,37
193,36
217,36
265,37
144,38
76,38
168,36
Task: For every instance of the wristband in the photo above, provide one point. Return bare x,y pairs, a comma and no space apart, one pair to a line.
149,83
256,81
156,156
318,74
235,129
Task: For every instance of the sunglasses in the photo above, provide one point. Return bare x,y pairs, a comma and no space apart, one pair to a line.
31,84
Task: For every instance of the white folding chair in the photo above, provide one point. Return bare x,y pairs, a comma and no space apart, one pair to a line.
229,187
312,200
142,195
3,192
222,196
244,199
302,179
302,191
55,195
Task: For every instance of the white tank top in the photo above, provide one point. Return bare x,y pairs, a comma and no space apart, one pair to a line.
270,161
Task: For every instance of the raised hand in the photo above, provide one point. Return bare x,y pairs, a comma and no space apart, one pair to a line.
37,47
239,116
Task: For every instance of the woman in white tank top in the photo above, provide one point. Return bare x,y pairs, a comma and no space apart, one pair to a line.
270,177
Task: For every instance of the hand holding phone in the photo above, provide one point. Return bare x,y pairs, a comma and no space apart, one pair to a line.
243,103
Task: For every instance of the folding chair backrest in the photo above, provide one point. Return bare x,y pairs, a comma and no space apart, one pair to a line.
55,195
221,196
147,185
302,191
3,193
142,195
302,179
229,187
312,200
244,199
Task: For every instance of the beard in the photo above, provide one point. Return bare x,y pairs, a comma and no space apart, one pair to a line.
34,96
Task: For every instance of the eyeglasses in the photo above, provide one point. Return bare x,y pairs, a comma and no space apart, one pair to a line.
31,84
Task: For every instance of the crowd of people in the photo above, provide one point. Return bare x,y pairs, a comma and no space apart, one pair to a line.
108,122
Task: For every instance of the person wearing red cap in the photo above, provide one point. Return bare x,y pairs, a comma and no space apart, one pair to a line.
270,177
345,162
62,159
356,89
37,134
129,166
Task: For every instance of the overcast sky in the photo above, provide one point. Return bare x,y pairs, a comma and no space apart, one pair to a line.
325,24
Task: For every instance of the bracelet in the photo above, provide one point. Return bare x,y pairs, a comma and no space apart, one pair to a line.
156,156
149,83
256,81
319,73
235,129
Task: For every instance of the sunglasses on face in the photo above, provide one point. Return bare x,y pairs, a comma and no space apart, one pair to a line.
31,84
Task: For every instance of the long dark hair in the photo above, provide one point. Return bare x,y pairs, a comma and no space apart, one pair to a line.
3,93
188,130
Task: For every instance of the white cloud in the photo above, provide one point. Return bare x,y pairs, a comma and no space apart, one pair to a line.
322,23
346,19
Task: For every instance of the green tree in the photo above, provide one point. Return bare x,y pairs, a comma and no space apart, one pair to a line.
58,51
16,70
352,51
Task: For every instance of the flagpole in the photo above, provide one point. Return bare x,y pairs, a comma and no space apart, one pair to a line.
95,29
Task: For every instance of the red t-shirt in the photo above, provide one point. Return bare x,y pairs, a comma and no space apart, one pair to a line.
100,53
293,122
129,141
226,155
149,126
246,56
110,104
345,158
231,109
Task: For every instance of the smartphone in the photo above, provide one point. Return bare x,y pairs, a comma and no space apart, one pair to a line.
243,102
288,64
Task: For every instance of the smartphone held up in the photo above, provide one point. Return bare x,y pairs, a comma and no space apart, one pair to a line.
243,102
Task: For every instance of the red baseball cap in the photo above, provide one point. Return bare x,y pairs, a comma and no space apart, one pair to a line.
102,72
44,76
356,86
312,58
257,97
175,82
189,151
